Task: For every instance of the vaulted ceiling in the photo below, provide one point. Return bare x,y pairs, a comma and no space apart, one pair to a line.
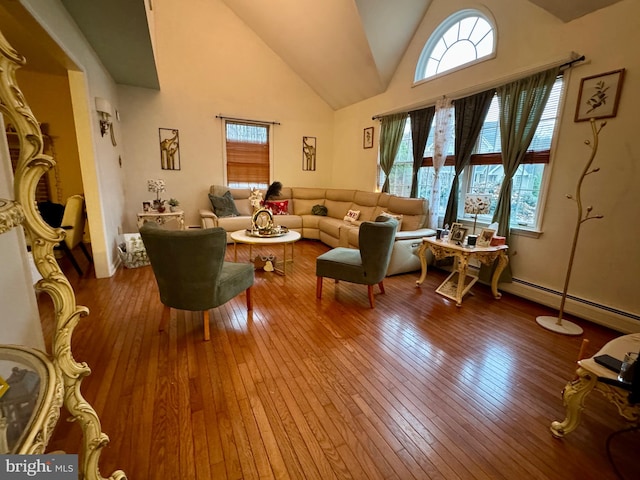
346,51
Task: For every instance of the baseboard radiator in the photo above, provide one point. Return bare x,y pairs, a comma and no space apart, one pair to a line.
625,322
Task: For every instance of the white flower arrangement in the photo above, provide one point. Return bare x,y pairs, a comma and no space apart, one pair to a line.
156,186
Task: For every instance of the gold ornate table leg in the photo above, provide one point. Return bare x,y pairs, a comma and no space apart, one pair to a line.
463,262
421,252
503,260
573,397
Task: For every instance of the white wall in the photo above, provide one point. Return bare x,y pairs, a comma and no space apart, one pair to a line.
210,63
19,320
606,261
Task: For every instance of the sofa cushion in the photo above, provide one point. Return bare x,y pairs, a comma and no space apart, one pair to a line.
303,206
397,216
337,209
305,193
224,206
414,210
366,199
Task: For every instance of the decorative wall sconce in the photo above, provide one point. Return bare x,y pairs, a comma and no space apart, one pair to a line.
105,111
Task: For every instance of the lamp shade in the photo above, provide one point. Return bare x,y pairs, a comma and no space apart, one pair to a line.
477,204
103,106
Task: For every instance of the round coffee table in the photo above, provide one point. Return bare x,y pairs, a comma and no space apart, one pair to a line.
241,236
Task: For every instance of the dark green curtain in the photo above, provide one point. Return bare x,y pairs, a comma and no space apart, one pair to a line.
521,106
470,113
391,132
420,126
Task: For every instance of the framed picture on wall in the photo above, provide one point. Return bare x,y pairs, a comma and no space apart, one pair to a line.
309,153
599,96
367,138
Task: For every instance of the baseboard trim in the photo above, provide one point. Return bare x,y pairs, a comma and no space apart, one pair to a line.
619,320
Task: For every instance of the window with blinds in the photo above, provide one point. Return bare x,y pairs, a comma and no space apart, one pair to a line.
247,146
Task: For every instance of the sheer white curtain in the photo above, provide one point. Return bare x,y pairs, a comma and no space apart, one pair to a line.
442,136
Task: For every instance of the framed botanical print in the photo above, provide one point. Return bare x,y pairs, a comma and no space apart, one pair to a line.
599,96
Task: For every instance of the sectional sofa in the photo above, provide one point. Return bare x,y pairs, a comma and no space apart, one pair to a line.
331,228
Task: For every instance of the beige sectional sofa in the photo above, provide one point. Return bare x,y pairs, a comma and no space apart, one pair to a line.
332,229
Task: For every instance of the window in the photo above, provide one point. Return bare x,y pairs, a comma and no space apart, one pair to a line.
247,154
401,173
485,173
465,37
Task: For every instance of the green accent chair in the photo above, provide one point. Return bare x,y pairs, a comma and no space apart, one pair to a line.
365,266
190,269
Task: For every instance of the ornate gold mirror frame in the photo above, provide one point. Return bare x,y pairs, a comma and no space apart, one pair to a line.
64,377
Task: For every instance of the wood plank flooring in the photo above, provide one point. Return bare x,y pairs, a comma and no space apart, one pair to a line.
330,389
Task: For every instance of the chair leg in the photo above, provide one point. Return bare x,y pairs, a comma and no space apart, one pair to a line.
67,251
164,318
83,247
207,334
319,287
249,302
370,292
381,285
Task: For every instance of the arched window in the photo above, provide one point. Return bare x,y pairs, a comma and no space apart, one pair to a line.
465,37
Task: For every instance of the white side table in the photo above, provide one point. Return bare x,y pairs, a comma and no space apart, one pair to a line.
161,218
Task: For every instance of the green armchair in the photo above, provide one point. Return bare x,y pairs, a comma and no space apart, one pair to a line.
365,266
190,269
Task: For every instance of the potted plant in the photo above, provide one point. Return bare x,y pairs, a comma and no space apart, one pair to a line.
173,204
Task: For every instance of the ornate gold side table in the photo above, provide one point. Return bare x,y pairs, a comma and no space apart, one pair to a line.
457,288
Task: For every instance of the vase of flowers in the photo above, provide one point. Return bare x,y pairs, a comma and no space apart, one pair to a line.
157,186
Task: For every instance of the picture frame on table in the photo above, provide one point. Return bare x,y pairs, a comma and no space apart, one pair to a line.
458,235
146,206
484,239
599,96
454,230
367,138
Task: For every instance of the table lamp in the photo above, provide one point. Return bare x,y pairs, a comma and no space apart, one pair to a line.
474,204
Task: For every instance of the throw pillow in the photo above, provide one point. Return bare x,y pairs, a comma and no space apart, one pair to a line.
278,208
352,216
397,216
224,206
319,210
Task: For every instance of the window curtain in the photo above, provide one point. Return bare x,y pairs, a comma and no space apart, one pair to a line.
420,126
391,132
441,139
470,113
521,106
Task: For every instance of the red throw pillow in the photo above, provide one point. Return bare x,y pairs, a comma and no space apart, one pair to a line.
278,208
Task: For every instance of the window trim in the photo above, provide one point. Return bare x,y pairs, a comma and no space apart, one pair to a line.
438,33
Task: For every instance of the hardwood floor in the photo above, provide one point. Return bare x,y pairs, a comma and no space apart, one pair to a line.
301,388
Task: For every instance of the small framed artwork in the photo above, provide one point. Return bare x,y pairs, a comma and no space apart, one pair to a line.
454,230
599,96
309,153
367,138
169,149
146,206
484,239
457,237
